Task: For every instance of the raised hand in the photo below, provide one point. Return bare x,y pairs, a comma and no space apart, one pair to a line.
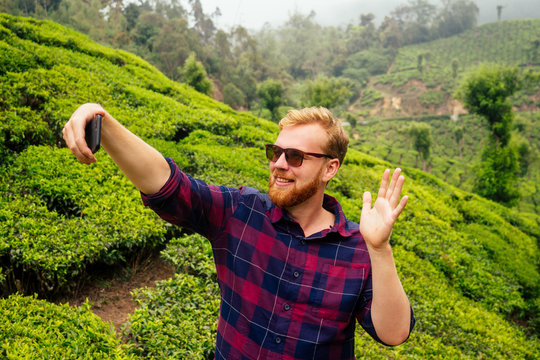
376,223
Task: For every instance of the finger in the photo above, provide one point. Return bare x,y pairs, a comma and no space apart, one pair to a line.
71,141
74,132
396,192
397,211
384,183
392,185
86,155
366,199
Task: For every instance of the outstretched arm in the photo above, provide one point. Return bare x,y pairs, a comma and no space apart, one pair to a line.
141,163
390,309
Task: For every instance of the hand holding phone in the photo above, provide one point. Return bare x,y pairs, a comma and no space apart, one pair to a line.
93,133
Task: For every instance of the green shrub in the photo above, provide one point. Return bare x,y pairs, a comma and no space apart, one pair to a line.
370,96
431,97
36,329
178,319
57,216
469,266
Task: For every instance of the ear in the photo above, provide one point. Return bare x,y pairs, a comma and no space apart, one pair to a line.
331,169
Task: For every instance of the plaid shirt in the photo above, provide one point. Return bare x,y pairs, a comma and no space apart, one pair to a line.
283,296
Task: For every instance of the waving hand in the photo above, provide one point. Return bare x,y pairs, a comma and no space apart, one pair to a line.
376,223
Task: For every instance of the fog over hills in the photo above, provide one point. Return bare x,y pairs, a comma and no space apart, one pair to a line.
254,14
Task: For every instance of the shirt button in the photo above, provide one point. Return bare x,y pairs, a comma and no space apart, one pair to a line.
287,307
296,274
278,340
303,242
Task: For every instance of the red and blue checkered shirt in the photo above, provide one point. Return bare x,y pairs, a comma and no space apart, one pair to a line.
283,295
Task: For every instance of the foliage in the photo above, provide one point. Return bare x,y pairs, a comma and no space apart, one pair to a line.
421,135
271,94
36,329
166,33
194,75
374,61
178,318
486,93
327,92
370,96
469,266
233,96
431,97
453,160
497,174
57,217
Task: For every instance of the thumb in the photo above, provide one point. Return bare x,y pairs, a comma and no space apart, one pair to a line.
366,199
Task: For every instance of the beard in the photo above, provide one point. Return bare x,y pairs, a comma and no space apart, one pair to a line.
294,195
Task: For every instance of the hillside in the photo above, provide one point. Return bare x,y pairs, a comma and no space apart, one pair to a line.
451,161
470,266
422,78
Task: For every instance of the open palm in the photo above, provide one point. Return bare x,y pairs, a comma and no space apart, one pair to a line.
376,223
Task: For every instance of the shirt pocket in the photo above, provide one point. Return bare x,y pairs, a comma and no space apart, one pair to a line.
337,291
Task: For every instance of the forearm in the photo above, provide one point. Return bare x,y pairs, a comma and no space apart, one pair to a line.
390,308
141,163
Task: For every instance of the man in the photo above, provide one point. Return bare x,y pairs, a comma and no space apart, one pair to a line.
293,272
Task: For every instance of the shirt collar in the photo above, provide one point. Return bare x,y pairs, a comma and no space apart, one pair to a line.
330,203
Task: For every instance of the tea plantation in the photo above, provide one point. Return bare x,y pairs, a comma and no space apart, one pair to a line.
469,266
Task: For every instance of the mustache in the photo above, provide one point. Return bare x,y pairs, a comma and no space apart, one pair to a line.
283,174
277,173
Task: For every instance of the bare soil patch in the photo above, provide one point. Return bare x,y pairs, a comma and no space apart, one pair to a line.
109,290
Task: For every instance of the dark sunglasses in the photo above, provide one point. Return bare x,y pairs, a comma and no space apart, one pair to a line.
294,157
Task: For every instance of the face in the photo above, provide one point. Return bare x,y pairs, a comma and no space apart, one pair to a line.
290,186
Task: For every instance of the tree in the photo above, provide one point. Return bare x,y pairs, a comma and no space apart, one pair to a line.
486,92
532,52
421,137
172,47
131,12
497,174
415,19
271,94
327,92
146,30
194,75
233,96
456,16
455,68
499,12
299,43
458,134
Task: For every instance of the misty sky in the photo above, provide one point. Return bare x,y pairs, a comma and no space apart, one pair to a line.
252,14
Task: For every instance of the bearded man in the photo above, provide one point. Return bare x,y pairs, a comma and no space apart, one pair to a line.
295,275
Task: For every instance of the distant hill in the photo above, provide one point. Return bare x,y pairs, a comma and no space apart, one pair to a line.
410,90
406,94
470,266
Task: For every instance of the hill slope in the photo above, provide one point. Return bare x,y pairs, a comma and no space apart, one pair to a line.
422,78
470,266
452,161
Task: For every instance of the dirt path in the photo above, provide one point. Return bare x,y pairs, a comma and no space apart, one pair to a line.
110,293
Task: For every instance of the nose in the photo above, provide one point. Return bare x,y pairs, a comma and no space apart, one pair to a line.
281,162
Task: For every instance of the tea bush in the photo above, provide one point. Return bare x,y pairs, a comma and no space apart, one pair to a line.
470,266
58,216
36,329
178,319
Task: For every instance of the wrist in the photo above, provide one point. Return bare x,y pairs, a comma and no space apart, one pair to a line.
382,250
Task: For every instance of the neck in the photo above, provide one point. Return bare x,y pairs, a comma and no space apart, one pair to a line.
311,216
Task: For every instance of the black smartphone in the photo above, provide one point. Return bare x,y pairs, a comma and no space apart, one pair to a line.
93,133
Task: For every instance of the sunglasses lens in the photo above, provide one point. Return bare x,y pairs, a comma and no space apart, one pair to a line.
273,152
294,157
